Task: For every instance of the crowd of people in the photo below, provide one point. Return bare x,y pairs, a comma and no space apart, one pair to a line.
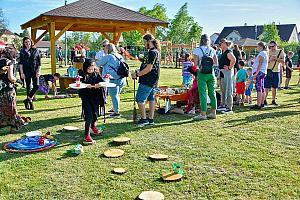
224,66
263,72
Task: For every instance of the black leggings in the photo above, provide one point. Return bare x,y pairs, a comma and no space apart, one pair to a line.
88,124
35,83
90,112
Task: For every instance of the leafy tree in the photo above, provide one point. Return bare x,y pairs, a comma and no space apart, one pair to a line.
25,33
183,28
270,33
158,11
46,37
3,21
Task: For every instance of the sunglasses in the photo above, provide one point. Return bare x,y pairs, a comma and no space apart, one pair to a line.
271,46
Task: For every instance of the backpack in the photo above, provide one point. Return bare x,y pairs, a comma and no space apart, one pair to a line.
123,69
207,63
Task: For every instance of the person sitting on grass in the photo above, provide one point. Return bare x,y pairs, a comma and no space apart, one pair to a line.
241,78
249,86
289,69
92,99
44,86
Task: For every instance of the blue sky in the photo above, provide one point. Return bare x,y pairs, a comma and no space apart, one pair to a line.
211,15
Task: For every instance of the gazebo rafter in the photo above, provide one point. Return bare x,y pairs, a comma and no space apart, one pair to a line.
74,17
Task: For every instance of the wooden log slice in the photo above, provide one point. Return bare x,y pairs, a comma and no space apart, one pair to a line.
121,140
71,128
119,170
151,195
159,157
172,176
113,153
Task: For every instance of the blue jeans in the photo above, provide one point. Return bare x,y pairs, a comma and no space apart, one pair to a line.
115,92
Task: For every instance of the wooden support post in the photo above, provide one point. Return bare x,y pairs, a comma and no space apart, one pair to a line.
33,35
52,46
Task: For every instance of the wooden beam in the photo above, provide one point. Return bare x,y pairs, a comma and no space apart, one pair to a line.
41,36
63,31
117,37
52,46
33,35
106,36
37,25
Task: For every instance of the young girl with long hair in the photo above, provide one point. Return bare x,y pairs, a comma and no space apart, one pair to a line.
92,99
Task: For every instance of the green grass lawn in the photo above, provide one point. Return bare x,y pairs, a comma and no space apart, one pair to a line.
247,155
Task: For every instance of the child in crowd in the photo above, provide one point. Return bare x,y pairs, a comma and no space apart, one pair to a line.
44,86
289,69
92,99
186,75
193,94
249,86
241,78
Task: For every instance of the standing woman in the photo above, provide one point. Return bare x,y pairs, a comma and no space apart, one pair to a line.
207,79
30,67
226,64
8,106
111,63
259,71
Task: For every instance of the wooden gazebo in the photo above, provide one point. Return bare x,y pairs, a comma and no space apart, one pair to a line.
90,16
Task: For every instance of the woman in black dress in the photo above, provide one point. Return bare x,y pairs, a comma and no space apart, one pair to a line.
30,67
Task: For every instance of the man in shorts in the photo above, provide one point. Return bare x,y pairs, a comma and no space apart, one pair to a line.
272,79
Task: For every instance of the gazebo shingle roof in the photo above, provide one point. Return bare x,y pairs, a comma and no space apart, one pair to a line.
97,9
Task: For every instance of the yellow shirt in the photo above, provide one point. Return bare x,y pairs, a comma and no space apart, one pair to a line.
271,63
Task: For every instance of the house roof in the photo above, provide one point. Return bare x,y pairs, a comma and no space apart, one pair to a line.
6,31
46,44
97,10
284,30
247,42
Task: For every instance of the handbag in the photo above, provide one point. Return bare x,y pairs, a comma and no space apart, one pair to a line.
270,71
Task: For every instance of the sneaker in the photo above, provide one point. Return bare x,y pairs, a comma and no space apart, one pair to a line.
111,110
262,105
255,107
143,122
227,111
88,139
151,122
221,108
212,116
95,130
200,117
115,115
265,103
285,88
274,103
31,106
26,103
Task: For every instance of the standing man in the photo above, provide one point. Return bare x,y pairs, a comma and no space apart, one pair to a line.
276,58
148,79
